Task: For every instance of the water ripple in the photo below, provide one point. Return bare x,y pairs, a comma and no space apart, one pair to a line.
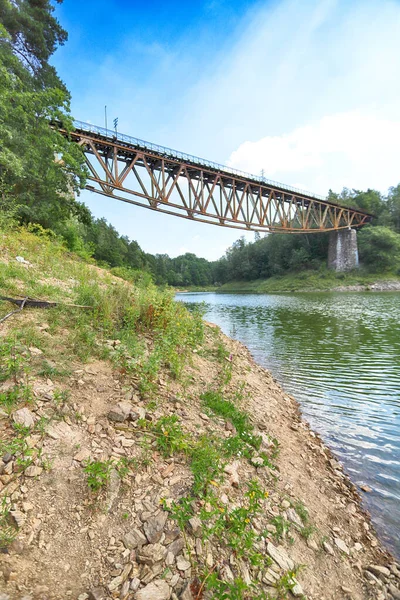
339,355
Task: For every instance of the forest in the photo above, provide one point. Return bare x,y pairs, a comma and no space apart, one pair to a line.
41,193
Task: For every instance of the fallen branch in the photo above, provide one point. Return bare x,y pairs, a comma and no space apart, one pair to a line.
23,302
32,303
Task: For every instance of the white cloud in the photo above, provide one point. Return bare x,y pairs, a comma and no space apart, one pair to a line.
349,149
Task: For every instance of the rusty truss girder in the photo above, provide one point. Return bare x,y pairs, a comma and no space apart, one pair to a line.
162,179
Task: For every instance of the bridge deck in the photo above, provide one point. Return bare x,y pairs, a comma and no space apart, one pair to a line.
195,188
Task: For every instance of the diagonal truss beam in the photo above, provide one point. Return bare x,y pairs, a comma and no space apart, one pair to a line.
208,193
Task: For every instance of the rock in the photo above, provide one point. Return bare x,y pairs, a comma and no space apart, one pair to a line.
280,556
312,544
35,351
170,559
328,548
297,590
124,590
195,526
24,417
7,457
154,527
135,583
33,471
82,455
97,593
151,554
394,591
366,488
171,535
232,471
19,517
187,593
285,504
357,547
16,546
381,572
120,412
156,590
176,546
294,517
134,539
113,488
342,546
182,564
83,596
115,583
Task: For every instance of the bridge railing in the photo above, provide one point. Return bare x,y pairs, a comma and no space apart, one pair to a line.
122,137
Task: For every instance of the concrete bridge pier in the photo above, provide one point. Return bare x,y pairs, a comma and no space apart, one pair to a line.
343,251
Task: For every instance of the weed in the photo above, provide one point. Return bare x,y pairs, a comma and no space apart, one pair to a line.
282,527
170,436
98,473
307,531
8,532
302,511
206,464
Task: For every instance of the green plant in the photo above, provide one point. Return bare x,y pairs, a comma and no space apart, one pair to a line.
281,525
302,511
170,436
8,532
98,473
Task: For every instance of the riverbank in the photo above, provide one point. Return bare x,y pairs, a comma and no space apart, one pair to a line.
315,281
147,456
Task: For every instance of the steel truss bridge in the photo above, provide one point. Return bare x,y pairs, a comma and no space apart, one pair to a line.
161,179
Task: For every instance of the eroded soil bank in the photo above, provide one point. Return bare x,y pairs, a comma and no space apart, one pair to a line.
123,540
145,456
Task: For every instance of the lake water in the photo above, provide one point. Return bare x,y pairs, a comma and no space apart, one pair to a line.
339,356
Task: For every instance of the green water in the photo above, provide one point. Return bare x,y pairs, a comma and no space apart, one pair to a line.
339,355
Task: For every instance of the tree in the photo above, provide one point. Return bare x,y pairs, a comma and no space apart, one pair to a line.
379,248
39,168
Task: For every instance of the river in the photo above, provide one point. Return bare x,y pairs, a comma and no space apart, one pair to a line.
338,354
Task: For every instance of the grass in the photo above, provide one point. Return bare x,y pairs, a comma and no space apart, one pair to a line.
8,532
321,280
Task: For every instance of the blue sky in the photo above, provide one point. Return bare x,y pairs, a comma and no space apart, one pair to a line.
307,91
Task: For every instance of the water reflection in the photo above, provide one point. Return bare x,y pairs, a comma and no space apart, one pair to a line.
339,355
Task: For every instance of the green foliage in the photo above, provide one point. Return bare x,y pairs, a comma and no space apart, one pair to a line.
379,248
170,436
8,532
98,473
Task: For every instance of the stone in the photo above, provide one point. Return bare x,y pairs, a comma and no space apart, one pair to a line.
154,527
195,526
134,539
115,583
156,590
35,351
312,544
176,546
341,545
280,556
182,564
328,548
170,559
294,517
394,591
151,554
33,471
97,593
171,535
82,455
24,417
83,596
124,590
381,572
285,504
120,412
135,583
19,517
366,488
232,471
297,590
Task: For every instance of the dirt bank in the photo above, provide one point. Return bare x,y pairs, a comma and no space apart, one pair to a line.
123,542
145,456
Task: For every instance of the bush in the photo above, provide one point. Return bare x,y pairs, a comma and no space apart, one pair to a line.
379,248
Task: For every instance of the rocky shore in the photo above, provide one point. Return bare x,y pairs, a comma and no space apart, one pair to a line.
310,537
